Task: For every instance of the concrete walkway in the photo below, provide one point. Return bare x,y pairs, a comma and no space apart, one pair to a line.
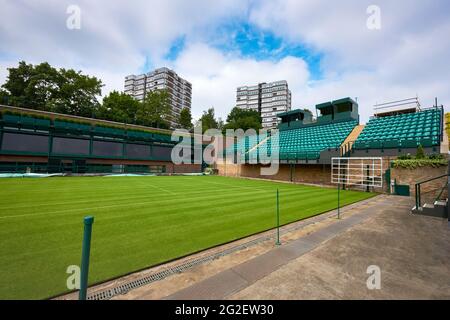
411,251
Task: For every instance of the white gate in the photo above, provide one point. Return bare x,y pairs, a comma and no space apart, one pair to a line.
357,171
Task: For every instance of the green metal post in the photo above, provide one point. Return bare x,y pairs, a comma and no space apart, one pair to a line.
420,196
339,201
85,253
417,197
278,220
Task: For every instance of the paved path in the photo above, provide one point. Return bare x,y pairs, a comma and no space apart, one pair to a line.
339,266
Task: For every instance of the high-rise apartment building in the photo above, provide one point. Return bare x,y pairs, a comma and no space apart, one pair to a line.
266,98
180,90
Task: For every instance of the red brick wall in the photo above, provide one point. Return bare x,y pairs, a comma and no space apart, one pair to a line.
429,190
306,173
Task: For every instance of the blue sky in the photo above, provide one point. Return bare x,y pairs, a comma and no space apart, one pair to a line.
324,50
249,41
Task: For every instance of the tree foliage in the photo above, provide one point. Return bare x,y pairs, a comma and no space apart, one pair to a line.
243,119
208,120
119,107
155,110
420,152
185,119
43,87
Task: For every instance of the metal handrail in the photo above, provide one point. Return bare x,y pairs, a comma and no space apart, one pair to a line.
442,191
418,189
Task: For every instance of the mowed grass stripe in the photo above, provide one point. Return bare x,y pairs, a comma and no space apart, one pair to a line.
136,225
150,199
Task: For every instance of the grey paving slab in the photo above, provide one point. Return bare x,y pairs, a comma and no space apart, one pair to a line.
216,287
300,246
247,273
411,251
261,266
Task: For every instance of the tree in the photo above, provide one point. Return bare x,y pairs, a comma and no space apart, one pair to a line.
76,94
4,97
155,110
31,86
220,124
43,87
185,119
119,107
243,119
208,120
420,152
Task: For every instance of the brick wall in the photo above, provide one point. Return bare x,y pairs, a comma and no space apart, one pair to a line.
306,173
321,174
430,190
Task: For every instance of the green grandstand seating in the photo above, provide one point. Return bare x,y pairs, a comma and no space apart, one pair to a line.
42,123
106,131
390,144
402,131
11,119
162,137
26,121
306,143
409,143
71,126
139,135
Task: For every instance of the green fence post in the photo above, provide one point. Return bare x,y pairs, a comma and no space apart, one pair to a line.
417,197
339,201
420,197
278,220
85,253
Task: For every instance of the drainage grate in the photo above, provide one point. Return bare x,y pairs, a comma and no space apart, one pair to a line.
126,287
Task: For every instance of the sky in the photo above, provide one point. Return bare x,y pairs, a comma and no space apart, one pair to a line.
373,51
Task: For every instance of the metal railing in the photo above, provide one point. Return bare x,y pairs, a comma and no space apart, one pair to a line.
419,192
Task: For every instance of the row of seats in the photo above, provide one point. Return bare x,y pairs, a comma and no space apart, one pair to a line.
81,128
307,143
402,131
304,143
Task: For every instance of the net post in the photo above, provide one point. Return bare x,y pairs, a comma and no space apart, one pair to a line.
339,200
278,220
85,253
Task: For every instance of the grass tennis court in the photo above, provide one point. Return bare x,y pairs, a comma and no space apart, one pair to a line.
139,222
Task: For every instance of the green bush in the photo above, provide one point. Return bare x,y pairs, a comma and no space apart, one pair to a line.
435,156
420,152
416,163
405,157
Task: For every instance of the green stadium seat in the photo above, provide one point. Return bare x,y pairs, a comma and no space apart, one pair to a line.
390,144
11,119
375,144
426,142
409,143
401,130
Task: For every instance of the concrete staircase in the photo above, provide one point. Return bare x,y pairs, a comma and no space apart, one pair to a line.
347,145
437,209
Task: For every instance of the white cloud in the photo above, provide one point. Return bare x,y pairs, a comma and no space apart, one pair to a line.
408,56
215,75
